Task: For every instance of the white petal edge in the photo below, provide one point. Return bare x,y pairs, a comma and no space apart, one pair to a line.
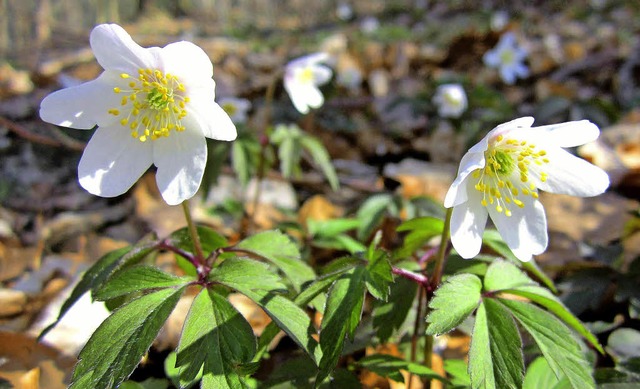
321,74
181,159
187,61
568,174
457,192
82,106
211,120
113,161
569,134
115,50
468,221
525,231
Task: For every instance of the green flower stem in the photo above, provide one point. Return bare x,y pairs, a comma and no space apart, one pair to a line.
199,256
442,251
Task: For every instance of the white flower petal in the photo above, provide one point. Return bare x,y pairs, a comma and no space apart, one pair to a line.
300,96
113,161
82,106
186,61
115,50
569,134
525,231
180,158
321,74
491,58
568,174
211,120
468,221
457,193
309,60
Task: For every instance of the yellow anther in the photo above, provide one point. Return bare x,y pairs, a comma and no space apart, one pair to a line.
116,90
124,75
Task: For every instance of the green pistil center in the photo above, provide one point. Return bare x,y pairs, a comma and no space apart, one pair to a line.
502,163
159,98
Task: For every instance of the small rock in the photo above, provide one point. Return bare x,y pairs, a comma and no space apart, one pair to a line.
421,178
12,302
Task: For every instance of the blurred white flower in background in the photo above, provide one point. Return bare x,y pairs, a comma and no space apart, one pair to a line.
236,108
500,177
451,100
369,25
302,78
509,58
344,11
152,106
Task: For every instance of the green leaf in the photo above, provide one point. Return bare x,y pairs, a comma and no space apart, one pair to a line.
539,375
506,277
389,316
245,154
495,357
138,278
238,273
287,315
277,248
390,366
421,229
341,317
209,239
332,227
217,337
149,383
116,347
308,294
97,274
320,155
457,369
493,239
379,275
558,344
371,212
173,372
452,302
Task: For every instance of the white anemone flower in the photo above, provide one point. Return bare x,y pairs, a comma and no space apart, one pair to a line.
508,57
236,108
451,100
152,106
302,78
501,175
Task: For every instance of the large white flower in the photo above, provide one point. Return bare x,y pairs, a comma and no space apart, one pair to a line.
302,78
152,106
451,100
501,175
509,58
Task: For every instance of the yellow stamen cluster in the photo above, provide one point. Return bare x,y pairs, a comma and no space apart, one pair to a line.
153,105
305,76
506,175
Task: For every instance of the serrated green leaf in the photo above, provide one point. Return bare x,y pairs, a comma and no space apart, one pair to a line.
96,275
493,239
209,239
506,277
239,273
452,302
495,356
341,317
116,347
379,275
173,372
277,248
287,315
558,344
390,366
340,242
389,316
216,336
138,278
320,155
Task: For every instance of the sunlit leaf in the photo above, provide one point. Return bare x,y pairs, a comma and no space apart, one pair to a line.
320,156
452,302
495,356
558,344
138,278
116,347
217,337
